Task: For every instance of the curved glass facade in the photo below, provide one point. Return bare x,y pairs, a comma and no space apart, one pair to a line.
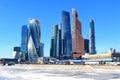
66,33
34,30
33,57
34,33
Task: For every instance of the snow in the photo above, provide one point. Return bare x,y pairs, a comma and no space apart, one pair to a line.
41,73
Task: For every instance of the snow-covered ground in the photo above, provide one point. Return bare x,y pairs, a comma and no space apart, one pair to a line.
41,73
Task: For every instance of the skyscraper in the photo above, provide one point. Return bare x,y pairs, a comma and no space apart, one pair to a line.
53,49
33,40
66,34
34,30
92,38
77,39
24,42
41,49
86,45
59,43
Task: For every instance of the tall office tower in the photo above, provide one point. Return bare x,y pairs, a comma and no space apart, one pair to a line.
62,42
24,42
41,49
33,40
86,45
66,34
92,38
77,39
16,52
59,44
53,49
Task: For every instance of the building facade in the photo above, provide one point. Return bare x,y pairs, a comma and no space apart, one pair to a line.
107,56
24,42
16,52
66,34
92,47
77,39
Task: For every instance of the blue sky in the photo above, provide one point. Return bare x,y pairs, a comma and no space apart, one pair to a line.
15,13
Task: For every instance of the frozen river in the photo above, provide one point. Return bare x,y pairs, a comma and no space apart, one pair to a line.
43,73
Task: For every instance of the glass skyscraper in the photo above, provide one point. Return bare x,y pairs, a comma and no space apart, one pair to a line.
32,53
34,30
86,45
53,49
24,42
41,50
33,40
92,38
56,42
66,34
59,44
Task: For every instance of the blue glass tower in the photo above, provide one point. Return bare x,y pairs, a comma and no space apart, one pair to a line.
32,53
41,49
33,40
66,34
92,38
59,43
24,41
34,30
86,45
53,49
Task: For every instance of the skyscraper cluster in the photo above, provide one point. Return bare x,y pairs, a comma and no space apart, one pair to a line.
61,40
67,44
31,48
